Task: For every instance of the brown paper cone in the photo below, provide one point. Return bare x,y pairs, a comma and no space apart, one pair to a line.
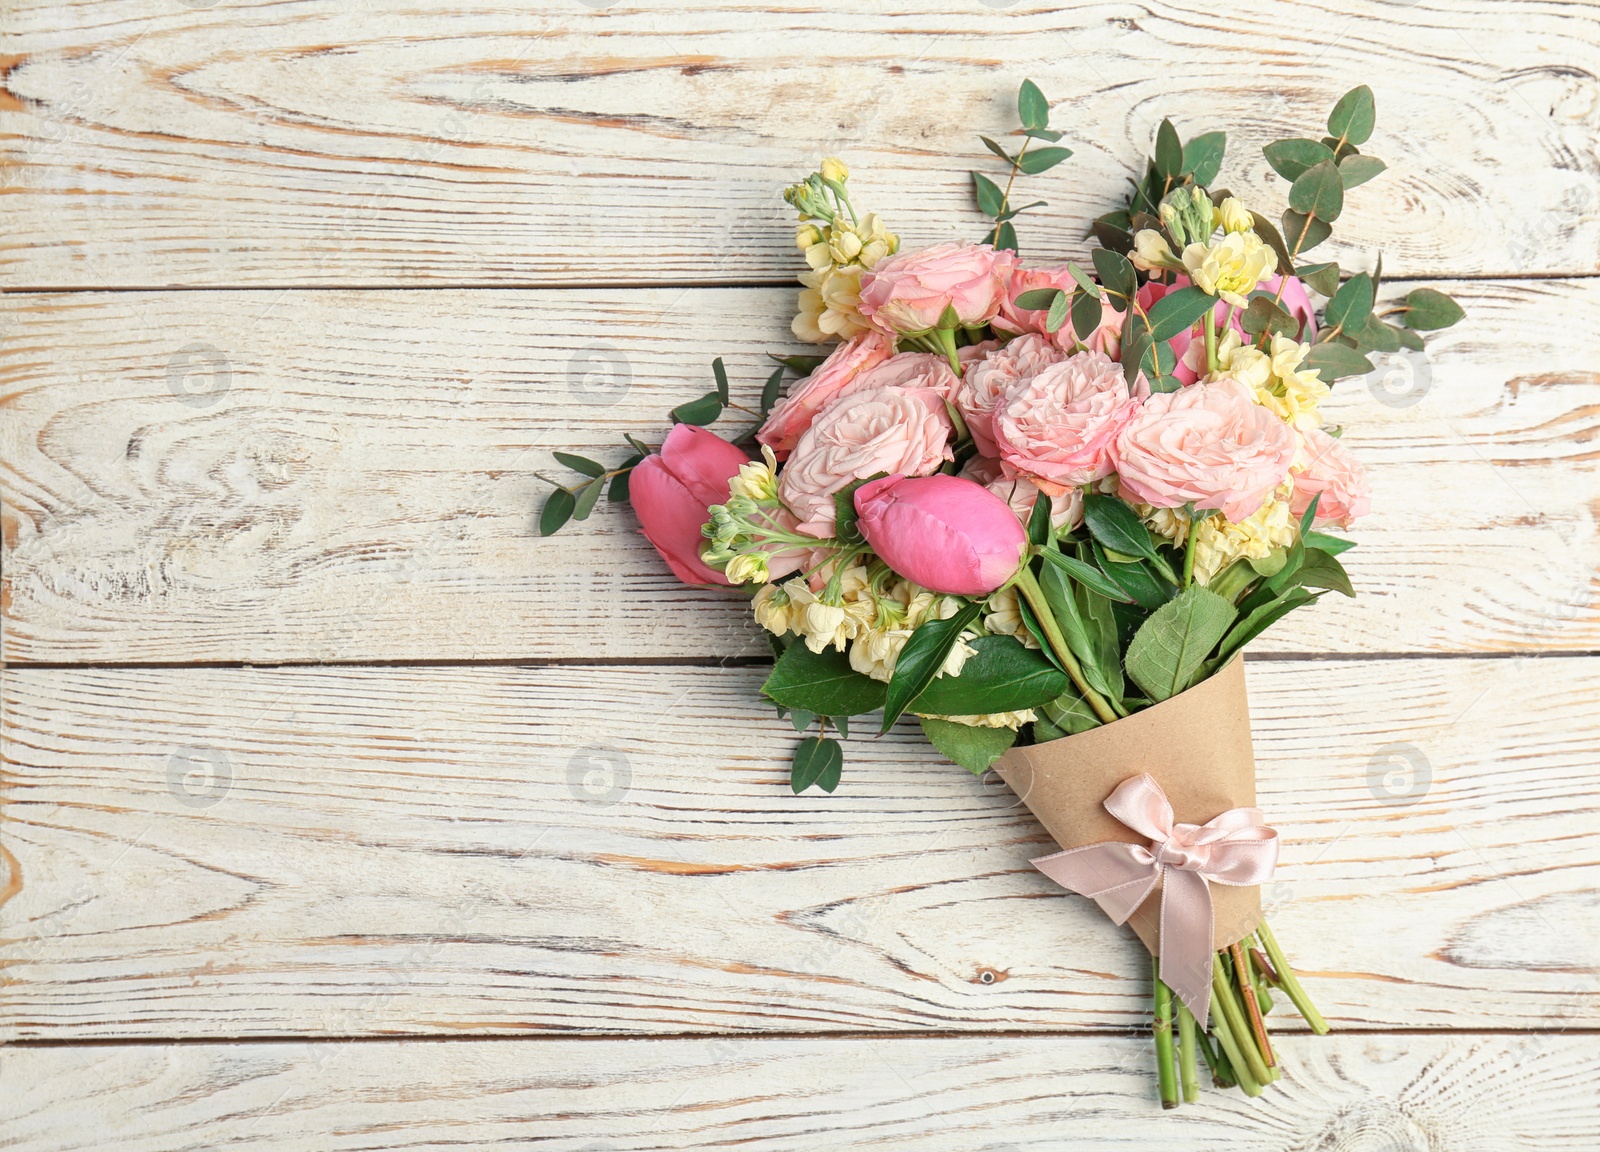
1196,745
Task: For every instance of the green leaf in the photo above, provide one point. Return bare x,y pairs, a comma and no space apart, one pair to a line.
770,390
804,365
636,444
822,682
1356,170
1057,315
1042,160
1104,670
1117,526
1336,361
1318,192
1069,713
1000,676
1332,545
1043,134
1177,311
1258,622
1136,580
996,149
801,719
1202,156
1005,238
1321,570
557,511
1428,309
1324,278
1353,116
1264,316
618,492
1170,647
975,749
586,498
1169,152
1032,108
1086,574
1036,299
1116,274
921,658
1351,304
1111,236
990,197
1375,335
1039,522
1086,313
817,760
1306,231
1408,339
1292,159
699,412
721,373
1083,280
580,464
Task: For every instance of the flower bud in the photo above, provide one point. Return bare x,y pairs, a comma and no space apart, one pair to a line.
747,569
833,169
1235,216
807,236
946,533
1151,252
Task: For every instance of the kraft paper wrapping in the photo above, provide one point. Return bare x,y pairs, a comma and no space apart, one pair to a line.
1196,745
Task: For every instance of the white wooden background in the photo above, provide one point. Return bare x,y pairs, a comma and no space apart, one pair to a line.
343,812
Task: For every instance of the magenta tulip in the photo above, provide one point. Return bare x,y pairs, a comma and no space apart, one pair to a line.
672,490
945,533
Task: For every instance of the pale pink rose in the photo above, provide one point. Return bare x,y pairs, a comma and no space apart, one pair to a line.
909,292
968,353
1057,427
1020,493
1209,444
838,374
910,370
1107,336
1327,469
889,430
987,380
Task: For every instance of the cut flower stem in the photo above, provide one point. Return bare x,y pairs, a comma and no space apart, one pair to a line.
1166,1056
1029,586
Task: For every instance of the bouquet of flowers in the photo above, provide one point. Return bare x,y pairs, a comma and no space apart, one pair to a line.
1042,510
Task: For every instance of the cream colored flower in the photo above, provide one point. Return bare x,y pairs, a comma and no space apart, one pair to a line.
834,169
757,480
807,237
1012,720
1219,542
1276,379
1234,216
747,569
1152,253
1230,267
1005,617
773,609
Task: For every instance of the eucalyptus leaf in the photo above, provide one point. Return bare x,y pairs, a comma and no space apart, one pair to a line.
1086,314
556,512
1116,274
1303,233
1264,316
1292,159
1427,309
1005,238
1318,192
1037,299
921,658
1044,134
1168,650
720,371
584,502
990,198
1274,239
618,492
1202,156
1351,304
822,683
1041,160
818,760
1083,280
1169,152
1323,278
996,149
770,391
804,365
1376,336
801,719
1032,108
1178,310
975,749
580,463
1057,315
1357,170
699,412
1336,361
1353,117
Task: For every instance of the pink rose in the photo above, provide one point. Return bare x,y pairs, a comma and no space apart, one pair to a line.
1020,493
1107,336
1327,469
911,370
942,532
987,380
836,375
904,430
1209,444
909,292
671,491
1057,427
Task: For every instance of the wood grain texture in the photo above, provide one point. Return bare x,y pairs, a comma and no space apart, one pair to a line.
237,852
316,476
149,143
1339,1093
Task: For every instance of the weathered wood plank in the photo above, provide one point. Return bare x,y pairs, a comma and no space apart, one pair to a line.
150,144
294,476
238,852
1464,1093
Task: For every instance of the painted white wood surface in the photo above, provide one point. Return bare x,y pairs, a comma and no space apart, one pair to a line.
347,476
338,852
1341,1093
148,142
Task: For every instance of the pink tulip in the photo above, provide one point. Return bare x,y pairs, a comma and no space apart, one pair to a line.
948,534
671,492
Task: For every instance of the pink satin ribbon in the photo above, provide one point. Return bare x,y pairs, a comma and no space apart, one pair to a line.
1237,848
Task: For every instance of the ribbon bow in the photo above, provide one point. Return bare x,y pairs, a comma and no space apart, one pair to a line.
1237,848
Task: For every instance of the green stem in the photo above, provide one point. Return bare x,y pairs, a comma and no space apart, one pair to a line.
1209,323
1005,197
1188,1042
1287,981
1224,1004
947,345
1188,551
1247,1082
1166,1057
1029,585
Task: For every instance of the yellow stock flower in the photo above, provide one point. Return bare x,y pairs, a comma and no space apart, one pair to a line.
1235,217
1230,267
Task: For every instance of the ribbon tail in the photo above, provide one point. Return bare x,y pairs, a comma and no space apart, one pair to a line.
1186,930
1116,876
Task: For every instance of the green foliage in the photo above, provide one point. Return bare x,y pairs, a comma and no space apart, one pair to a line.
1168,650
1351,304
1000,676
822,683
1318,192
1427,309
975,749
818,760
699,412
558,509
1353,117
580,463
1292,159
1336,361
921,658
